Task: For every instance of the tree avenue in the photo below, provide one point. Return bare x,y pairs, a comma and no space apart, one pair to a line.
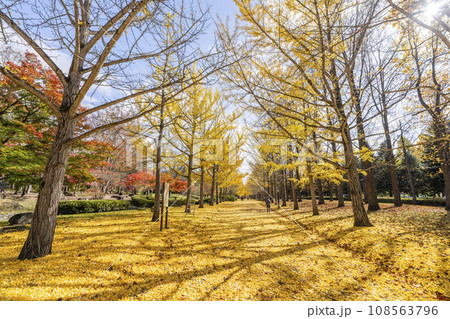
298,104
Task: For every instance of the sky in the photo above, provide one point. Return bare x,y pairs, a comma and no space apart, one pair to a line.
221,7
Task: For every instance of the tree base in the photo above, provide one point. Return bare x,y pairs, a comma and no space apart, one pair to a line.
446,219
373,208
28,252
363,224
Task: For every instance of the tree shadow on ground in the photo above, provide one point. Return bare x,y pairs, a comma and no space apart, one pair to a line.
216,249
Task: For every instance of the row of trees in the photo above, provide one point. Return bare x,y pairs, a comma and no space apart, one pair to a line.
320,73
115,46
335,78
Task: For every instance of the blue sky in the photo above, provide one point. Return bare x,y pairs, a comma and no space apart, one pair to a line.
221,7
218,9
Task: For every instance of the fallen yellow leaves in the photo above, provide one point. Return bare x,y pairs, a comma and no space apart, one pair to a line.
236,251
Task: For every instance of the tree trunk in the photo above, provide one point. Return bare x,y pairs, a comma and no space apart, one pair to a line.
266,183
189,185
202,187
157,201
273,193
359,212
217,194
283,187
312,190
43,223
213,185
392,170
299,191
339,187
330,189
409,171
369,180
293,190
320,191
340,195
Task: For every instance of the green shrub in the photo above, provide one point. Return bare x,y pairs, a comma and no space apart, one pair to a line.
177,201
147,201
439,202
231,198
91,206
142,201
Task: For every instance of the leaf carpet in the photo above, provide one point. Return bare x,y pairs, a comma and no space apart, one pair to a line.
236,251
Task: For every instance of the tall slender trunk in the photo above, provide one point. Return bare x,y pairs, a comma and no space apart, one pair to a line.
202,187
293,190
370,190
359,212
283,187
339,187
391,160
299,191
273,187
319,181
157,200
320,191
217,194
408,170
330,190
312,190
340,195
213,185
43,223
267,182
189,181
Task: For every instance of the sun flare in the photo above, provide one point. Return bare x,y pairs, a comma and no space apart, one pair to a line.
433,8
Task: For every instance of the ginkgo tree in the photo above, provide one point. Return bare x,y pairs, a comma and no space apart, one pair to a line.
201,119
197,112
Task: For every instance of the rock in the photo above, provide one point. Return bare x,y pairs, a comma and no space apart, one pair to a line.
119,197
21,219
83,198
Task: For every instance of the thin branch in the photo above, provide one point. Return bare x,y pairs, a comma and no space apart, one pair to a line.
35,47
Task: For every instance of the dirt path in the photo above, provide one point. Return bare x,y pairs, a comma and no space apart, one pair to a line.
234,251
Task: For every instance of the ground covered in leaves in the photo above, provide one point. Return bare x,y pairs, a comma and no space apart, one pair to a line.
236,251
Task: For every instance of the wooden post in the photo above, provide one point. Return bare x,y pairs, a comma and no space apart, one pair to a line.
167,216
164,204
